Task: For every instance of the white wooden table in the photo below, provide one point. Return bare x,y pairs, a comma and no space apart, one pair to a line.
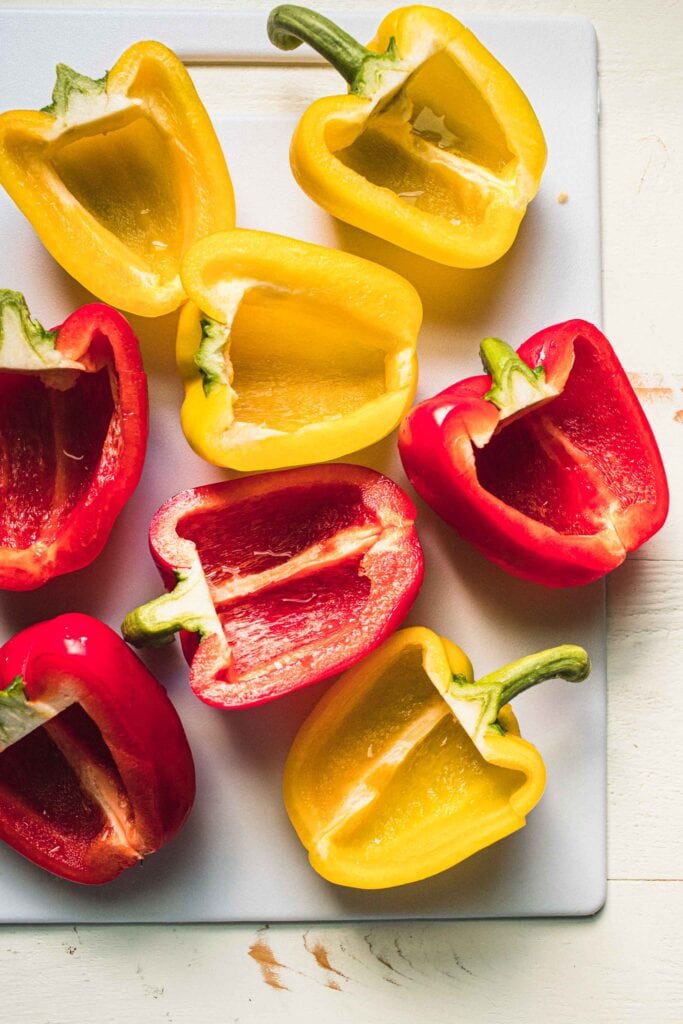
623,965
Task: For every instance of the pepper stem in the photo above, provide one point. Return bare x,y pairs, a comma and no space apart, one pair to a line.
19,716
188,606
290,25
22,339
479,703
71,88
515,385
24,344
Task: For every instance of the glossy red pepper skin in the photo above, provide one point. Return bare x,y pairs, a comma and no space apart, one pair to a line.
72,457
303,572
557,492
111,778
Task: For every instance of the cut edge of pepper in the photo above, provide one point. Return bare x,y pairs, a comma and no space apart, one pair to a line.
26,346
19,716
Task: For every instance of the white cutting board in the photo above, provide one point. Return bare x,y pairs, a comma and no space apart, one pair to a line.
237,858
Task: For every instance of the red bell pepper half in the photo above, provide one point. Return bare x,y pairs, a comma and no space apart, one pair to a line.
548,465
281,579
73,431
95,768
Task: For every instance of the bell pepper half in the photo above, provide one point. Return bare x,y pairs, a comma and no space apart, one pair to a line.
407,765
73,433
547,465
119,175
95,768
436,148
291,353
280,580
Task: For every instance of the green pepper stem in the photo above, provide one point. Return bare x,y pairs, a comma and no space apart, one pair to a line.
496,689
71,84
24,344
188,606
290,25
19,716
34,335
514,384
565,662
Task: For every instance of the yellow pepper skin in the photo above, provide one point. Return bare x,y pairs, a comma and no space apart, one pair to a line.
407,766
291,353
119,175
436,148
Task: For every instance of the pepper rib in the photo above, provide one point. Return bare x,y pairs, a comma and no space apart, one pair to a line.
355,540
551,432
363,793
96,782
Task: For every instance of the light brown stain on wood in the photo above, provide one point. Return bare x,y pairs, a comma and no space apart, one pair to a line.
655,394
261,952
654,387
322,958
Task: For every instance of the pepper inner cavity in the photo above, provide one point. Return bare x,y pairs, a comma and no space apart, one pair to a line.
288,563
572,464
434,144
388,765
125,178
52,442
252,536
68,809
292,364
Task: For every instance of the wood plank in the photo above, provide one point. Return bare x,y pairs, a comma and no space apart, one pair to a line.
645,710
661,395
618,967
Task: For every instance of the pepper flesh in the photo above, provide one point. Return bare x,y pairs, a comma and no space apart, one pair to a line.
435,149
281,579
118,176
407,766
291,353
549,467
73,433
95,768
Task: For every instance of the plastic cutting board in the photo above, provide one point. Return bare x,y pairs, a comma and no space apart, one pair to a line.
238,859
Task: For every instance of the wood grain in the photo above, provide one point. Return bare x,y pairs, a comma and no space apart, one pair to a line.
617,967
645,695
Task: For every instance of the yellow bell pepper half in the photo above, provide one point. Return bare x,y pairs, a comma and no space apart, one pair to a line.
407,766
436,148
119,175
291,353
